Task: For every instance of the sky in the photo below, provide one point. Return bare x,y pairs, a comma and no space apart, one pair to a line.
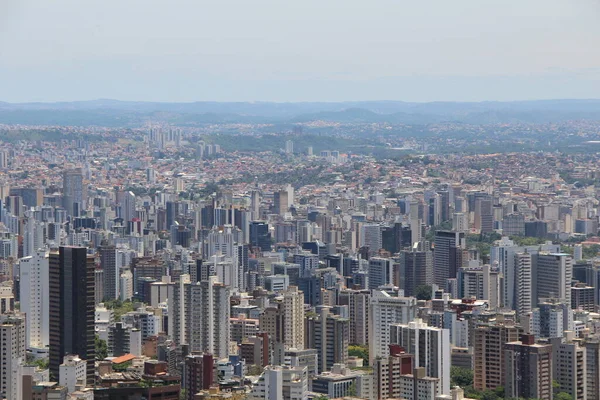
302,50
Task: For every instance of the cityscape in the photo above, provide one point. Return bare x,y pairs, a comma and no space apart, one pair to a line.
299,200
181,262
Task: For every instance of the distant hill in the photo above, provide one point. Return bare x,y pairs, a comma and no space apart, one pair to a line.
108,112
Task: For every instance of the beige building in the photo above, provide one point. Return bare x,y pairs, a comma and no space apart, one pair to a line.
488,356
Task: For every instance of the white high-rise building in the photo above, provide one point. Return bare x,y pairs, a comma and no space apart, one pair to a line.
289,147
430,347
384,310
209,317
221,242
35,295
522,290
126,286
503,254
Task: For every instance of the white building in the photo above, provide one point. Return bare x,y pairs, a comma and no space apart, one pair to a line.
35,295
209,317
384,310
430,347
126,286
281,383
72,373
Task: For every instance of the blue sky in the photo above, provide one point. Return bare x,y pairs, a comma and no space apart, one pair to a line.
303,50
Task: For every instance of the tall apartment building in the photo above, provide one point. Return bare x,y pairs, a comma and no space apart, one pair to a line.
34,289
503,254
73,191
371,237
569,366
528,368
380,272
209,325
592,358
554,272
488,354
178,305
482,283
198,373
522,300
358,313
484,215
71,308
108,263
293,318
430,347
386,309
284,322
12,350
329,334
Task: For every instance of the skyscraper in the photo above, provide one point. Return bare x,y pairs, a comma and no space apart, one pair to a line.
416,268
522,280
73,191
108,263
280,202
72,308
553,277
209,317
260,238
293,318
34,289
380,272
447,256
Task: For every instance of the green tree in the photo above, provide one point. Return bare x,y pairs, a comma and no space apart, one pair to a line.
355,350
122,367
590,251
42,363
101,348
119,307
423,292
563,396
462,377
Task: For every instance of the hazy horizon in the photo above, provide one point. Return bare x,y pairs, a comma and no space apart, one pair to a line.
311,51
